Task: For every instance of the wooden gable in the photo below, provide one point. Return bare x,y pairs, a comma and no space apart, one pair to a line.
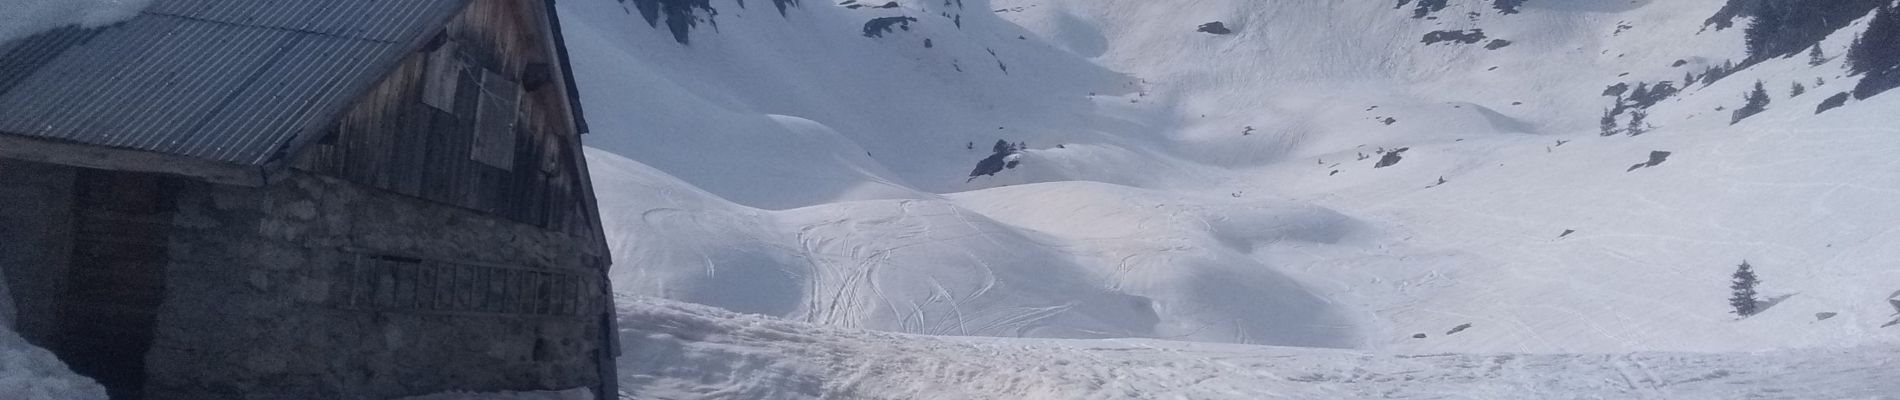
472,119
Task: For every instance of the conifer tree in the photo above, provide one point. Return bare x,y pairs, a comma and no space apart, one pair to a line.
1759,37
1815,57
1608,123
1637,126
1876,53
1754,103
1876,49
1743,285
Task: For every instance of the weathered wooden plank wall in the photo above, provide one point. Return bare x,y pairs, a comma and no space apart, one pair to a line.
418,132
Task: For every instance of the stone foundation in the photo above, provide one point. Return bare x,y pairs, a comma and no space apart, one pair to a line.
316,288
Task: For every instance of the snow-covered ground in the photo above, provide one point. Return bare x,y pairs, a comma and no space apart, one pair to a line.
1180,186
32,373
571,394
684,351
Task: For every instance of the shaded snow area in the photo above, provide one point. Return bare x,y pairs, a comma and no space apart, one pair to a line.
1323,177
572,394
22,18
32,373
684,351
28,372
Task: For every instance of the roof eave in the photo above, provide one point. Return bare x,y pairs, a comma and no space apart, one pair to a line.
32,149
567,69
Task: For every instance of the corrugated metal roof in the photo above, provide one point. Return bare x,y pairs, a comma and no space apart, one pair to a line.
231,81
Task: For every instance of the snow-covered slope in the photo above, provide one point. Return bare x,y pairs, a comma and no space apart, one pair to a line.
812,165
681,351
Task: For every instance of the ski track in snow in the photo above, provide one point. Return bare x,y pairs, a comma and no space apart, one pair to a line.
674,345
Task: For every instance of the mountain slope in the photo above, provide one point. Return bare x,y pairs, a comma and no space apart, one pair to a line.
1326,174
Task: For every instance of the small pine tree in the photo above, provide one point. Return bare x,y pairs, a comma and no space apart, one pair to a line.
1637,126
1797,90
1815,57
1608,123
1743,285
1754,103
1688,78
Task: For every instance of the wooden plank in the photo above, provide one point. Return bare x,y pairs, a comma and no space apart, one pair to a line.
478,140
88,156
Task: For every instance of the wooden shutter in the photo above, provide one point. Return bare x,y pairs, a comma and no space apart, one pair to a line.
441,80
495,123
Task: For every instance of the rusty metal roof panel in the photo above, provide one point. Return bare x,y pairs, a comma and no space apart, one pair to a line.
231,81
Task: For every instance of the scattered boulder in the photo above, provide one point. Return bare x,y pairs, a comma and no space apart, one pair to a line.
1216,27
1391,158
1832,103
853,4
877,27
1459,328
1455,36
1655,158
1616,90
1566,233
1823,316
1418,336
1005,156
1497,44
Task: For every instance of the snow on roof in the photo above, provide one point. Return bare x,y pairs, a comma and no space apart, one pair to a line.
27,17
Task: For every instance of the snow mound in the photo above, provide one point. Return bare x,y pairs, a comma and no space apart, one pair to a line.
32,373
933,266
24,18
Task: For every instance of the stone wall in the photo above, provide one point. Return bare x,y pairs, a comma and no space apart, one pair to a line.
35,243
314,287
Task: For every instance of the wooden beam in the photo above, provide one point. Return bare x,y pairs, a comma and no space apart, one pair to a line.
26,148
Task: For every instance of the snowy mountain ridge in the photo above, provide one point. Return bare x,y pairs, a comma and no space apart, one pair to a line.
1427,178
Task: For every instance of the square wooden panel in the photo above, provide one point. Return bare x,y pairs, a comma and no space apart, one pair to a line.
495,123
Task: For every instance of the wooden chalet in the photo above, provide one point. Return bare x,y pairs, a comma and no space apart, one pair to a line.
308,199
